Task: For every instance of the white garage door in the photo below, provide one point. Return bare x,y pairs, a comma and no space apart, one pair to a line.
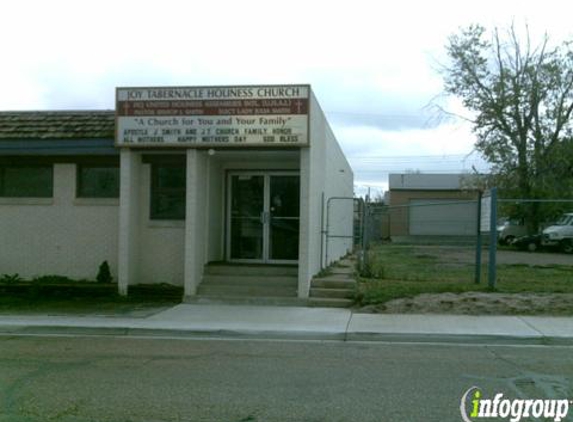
445,219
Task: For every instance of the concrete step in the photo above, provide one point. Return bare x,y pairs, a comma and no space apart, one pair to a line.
249,280
239,300
333,283
248,269
347,263
329,303
246,291
340,277
348,271
332,293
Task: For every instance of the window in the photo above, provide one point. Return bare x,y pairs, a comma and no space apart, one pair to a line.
26,181
98,181
167,192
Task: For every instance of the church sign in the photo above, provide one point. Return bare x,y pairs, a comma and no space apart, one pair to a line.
232,116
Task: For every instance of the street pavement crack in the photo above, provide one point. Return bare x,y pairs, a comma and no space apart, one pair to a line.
531,326
347,326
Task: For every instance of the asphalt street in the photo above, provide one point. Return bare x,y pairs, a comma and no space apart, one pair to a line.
51,378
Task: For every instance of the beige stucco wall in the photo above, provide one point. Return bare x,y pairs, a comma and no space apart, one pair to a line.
72,236
60,235
152,251
196,219
128,228
339,183
216,215
325,173
161,243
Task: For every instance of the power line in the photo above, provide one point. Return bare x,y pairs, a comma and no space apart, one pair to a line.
418,162
392,162
421,171
382,115
413,156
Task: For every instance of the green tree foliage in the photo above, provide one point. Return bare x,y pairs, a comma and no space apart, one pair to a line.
521,99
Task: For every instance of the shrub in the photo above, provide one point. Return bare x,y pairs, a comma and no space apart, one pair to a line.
52,279
104,273
369,267
10,278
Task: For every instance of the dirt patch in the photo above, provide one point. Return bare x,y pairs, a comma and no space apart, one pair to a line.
478,303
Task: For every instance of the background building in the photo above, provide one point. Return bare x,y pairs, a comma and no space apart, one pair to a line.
430,205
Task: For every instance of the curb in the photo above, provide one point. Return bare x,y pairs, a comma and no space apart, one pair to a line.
462,339
169,332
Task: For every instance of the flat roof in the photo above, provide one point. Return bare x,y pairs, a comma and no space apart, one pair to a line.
420,181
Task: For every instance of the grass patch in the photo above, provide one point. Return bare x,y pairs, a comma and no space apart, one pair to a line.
406,263
407,271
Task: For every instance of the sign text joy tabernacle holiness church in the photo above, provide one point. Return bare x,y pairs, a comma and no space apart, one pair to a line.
213,116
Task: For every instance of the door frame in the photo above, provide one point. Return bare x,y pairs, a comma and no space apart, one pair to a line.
267,174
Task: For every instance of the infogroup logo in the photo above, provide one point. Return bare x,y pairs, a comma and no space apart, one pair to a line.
474,406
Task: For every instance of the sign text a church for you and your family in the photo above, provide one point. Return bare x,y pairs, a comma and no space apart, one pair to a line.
213,116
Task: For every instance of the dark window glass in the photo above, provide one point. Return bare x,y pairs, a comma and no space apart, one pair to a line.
26,181
98,181
167,192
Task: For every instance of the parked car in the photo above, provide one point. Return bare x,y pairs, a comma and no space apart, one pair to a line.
510,230
530,243
560,234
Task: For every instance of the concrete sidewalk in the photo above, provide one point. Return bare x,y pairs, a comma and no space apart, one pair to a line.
301,323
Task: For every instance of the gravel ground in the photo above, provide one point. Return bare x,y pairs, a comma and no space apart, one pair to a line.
478,303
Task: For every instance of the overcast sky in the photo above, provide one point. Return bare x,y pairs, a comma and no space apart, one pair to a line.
372,64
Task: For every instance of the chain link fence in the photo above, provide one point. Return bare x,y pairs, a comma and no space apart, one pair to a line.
447,240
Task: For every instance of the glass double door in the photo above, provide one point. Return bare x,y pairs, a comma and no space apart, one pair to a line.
263,217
